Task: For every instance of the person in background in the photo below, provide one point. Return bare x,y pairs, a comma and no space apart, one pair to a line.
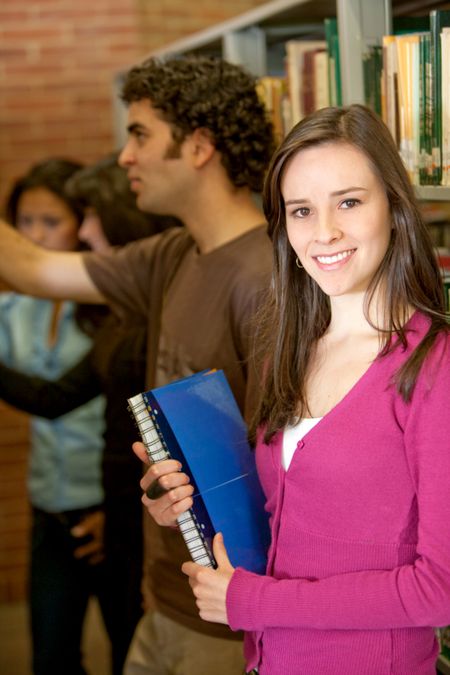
114,367
44,338
353,431
198,148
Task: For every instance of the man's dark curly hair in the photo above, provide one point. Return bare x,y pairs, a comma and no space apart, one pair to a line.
195,92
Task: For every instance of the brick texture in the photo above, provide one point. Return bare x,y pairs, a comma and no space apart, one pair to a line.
14,508
58,60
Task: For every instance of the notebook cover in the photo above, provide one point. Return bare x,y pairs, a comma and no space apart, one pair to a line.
202,427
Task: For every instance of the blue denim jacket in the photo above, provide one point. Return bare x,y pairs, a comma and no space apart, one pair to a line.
65,460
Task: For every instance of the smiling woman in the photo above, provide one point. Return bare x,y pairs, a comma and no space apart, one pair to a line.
353,429
340,229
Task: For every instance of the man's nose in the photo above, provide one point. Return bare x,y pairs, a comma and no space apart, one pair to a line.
125,157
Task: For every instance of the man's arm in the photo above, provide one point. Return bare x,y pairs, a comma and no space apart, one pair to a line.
36,271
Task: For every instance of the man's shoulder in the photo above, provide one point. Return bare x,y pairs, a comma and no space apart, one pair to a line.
171,240
250,245
251,254
250,270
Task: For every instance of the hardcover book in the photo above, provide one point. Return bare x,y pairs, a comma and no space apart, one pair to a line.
438,20
196,421
334,63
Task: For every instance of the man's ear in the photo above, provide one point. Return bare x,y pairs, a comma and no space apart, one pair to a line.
202,147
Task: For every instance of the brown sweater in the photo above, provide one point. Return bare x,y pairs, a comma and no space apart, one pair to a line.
198,309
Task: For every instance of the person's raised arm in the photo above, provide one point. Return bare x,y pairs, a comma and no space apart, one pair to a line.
50,398
36,271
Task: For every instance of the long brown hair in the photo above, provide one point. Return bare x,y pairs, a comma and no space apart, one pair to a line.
298,312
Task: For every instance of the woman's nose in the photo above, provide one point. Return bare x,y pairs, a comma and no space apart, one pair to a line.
327,229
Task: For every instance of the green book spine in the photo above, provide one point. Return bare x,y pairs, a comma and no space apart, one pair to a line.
334,65
425,169
337,67
378,69
372,67
438,19
410,24
429,110
367,80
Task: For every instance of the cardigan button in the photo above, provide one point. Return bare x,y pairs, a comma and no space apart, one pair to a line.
300,444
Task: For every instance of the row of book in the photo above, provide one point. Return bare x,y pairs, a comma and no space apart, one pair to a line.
311,80
411,75
406,81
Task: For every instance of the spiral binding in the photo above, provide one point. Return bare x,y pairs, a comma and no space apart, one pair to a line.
157,451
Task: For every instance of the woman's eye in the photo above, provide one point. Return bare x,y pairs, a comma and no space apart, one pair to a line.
25,219
349,203
302,212
50,221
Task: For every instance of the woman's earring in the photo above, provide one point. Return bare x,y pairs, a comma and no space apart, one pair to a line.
297,262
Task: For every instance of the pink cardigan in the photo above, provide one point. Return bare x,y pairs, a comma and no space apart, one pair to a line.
359,566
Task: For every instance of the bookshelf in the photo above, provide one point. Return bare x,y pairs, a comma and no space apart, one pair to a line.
255,39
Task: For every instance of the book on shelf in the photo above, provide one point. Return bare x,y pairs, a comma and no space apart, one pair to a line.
372,70
439,19
321,89
446,282
314,80
196,421
445,109
389,87
295,67
272,91
408,63
334,61
415,94
425,111
407,100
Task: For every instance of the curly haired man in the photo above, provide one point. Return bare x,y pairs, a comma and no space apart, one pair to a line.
198,146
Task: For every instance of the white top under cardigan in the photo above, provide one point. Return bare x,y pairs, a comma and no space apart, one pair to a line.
292,435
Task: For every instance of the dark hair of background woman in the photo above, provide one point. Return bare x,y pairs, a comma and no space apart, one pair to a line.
105,188
51,174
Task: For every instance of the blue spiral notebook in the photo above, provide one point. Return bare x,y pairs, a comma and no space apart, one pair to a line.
196,420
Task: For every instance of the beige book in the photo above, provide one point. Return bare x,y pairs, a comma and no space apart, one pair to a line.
321,88
295,50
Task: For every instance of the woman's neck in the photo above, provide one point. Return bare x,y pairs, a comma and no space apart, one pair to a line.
349,318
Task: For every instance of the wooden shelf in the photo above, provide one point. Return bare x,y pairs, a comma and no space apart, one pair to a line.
303,15
433,193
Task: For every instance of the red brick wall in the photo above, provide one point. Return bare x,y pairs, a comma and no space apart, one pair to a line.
14,509
57,63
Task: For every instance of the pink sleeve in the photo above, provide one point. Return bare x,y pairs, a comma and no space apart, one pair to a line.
410,595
